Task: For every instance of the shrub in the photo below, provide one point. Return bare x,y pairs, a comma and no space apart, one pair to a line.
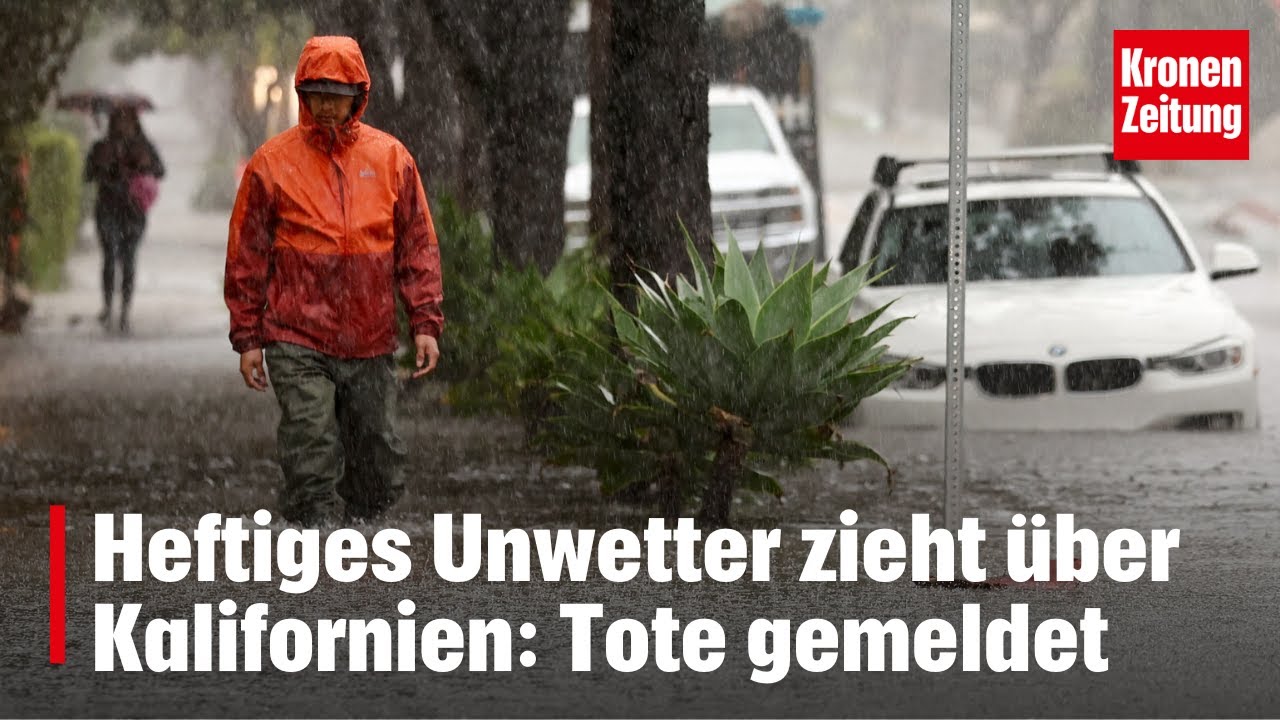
53,204
533,321
719,384
507,327
470,281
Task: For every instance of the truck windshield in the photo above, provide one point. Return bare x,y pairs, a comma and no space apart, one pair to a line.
736,128
1031,238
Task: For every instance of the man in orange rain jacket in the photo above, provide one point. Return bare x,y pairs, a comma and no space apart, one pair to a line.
330,222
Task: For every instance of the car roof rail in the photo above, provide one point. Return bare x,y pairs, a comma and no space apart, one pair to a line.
888,167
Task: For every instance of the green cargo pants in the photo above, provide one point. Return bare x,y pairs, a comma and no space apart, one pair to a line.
337,434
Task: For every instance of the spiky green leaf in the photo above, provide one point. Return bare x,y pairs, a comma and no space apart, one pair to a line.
787,308
849,451
732,328
755,480
760,273
738,284
832,303
705,285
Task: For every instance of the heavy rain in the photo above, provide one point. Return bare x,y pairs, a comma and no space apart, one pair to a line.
682,266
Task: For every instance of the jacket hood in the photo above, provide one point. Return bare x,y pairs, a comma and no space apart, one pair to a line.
338,59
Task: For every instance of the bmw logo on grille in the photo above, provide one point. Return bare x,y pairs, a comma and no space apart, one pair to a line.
1057,350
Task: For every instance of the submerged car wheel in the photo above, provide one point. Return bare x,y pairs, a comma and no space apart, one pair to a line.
1217,422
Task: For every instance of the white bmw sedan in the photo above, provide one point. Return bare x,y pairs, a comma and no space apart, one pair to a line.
1087,307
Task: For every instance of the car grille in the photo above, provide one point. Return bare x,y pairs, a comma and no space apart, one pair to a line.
739,220
771,211
1102,375
1015,379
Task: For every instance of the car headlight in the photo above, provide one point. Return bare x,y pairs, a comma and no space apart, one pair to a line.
1213,356
921,376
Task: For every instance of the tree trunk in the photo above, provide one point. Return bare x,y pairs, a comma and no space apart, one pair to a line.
508,62
726,472
459,31
654,127
599,62
251,121
669,489
531,107
368,23
428,117
485,107
41,36
12,218
430,99
474,189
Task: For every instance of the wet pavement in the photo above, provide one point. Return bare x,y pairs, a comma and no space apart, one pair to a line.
159,423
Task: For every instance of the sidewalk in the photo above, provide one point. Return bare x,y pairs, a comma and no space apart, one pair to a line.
178,289
179,325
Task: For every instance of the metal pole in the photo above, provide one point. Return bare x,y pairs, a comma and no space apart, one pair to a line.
957,211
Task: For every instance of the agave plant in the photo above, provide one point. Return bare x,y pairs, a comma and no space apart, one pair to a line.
718,383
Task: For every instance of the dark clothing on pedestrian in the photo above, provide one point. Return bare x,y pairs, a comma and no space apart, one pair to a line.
337,432
113,163
119,233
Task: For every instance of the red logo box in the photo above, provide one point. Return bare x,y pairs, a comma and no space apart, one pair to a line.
1181,95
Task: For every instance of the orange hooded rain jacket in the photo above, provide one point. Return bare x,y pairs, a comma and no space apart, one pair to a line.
328,226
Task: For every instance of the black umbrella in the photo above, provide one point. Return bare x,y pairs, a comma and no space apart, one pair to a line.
98,102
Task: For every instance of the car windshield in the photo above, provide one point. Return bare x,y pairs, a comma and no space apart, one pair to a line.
1030,239
733,128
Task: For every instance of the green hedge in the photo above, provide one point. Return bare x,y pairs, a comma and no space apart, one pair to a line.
53,204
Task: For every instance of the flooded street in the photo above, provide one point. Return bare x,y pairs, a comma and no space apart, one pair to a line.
160,423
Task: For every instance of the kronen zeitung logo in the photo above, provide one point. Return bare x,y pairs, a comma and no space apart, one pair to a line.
1181,94
1170,115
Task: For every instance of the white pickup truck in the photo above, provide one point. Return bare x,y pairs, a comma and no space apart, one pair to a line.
757,186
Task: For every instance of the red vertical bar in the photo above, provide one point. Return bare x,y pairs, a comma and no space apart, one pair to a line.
57,584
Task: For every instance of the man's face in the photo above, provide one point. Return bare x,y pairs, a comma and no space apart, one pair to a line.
328,109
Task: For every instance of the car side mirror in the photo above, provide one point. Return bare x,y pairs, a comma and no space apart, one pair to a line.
1232,259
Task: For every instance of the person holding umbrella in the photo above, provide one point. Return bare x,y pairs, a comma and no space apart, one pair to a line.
125,166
